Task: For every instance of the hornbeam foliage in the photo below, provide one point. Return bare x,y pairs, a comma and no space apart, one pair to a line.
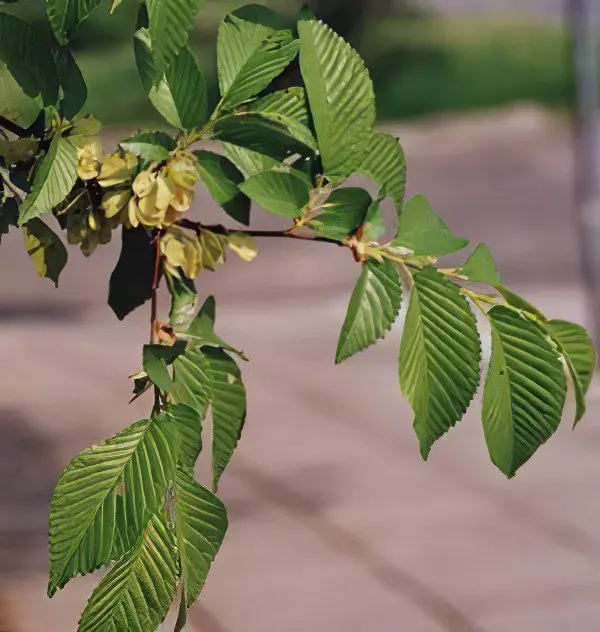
132,505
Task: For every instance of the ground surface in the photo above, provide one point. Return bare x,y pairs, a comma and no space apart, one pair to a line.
336,523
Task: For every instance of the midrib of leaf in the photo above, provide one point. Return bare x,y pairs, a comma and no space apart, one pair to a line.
439,356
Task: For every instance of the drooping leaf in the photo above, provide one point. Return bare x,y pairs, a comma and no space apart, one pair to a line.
170,22
580,355
132,279
278,192
345,211
178,92
130,472
201,524
372,310
423,232
439,356
66,15
15,105
480,267
45,248
385,163
524,390
253,48
72,83
150,146
222,179
24,50
184,301
208,376
188,424
155,359
228,404
341,98
53,180
137,592
201,332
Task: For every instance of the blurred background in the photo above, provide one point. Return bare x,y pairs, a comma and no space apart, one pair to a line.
336,525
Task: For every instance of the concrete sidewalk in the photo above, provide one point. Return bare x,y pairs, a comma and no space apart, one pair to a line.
336,525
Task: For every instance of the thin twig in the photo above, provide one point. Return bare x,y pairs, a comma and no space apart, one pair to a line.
155,283
288,234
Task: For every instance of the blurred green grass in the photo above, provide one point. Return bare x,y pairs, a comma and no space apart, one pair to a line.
421,65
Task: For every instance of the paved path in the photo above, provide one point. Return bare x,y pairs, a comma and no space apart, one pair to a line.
336,524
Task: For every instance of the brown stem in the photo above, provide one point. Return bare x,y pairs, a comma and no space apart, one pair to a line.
155,282
221,230
12,127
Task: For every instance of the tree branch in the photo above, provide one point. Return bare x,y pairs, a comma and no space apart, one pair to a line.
287,234
12,127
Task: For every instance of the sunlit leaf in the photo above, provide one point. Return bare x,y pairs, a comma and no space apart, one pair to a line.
524,390
372,310
439,356
45,248
423,232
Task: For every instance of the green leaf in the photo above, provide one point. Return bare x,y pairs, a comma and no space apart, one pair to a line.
25,51
66,15
201,524
15,105
133,276
439,356
423,232
106,495
278,192
346,210
372,310
155,360
518,302
201,332
284,107
72,83
373,227
580,356
210,376
151,146
524,390
341,98
45,248
52,182
228,402
187,421
266,133
137,592
222,179
480,267
170,22
179,92
253,48
184,301
385,163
